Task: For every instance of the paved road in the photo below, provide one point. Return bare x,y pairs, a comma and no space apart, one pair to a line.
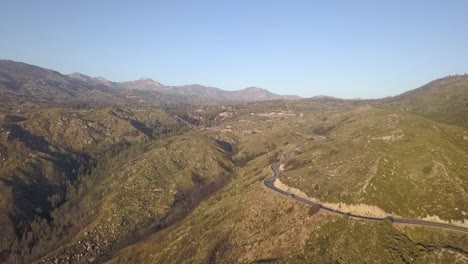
269,182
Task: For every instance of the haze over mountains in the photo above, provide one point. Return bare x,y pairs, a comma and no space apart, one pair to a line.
29,80
248,94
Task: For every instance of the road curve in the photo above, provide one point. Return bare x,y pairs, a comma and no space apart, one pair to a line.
275,167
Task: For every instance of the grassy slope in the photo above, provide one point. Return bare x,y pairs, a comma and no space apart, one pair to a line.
410,162
444,100
366,242
245,222
248,223
132,194
43,151
405,164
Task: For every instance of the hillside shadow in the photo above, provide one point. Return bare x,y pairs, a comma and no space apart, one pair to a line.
140,126
33,142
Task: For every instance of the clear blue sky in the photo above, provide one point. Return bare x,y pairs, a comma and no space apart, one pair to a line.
347,49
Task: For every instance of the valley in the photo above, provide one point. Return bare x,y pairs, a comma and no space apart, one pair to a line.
93,171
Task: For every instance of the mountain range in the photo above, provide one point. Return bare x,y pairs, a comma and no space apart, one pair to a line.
39,83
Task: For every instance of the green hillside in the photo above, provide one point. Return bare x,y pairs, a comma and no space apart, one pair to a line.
444,100
184,183
405,164
44,152
141,190
248,223
373,153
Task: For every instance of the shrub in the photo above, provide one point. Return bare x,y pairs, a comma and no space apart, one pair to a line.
427,169
313,210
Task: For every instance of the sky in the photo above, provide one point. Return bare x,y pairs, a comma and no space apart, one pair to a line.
347,49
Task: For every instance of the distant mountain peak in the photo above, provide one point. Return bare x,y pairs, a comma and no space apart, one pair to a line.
93,80
77,74
144,80
80,76
255,89
102,79
143,83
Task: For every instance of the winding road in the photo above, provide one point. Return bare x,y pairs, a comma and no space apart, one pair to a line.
269,182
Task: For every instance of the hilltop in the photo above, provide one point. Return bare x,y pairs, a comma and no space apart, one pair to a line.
443,100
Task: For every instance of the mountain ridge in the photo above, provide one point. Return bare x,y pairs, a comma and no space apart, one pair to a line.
251,93
23,79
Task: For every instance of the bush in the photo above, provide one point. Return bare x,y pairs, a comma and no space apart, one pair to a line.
427,169
296,164
313,210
